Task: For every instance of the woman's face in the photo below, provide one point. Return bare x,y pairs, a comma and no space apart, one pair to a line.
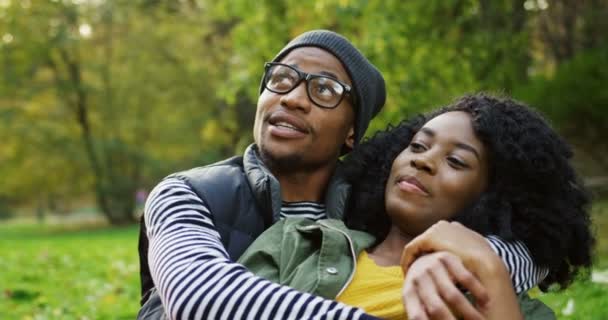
443,170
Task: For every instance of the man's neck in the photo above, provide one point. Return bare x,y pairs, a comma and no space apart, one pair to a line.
304,185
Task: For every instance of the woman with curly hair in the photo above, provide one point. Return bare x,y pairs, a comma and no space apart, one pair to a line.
493,167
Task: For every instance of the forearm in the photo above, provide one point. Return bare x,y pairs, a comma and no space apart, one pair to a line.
502,303
196,279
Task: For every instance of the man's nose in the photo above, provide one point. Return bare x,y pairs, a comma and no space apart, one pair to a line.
297,98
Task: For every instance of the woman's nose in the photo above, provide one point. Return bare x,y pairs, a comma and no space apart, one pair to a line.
423,163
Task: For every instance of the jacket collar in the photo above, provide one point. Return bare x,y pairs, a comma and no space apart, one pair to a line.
265,186
267,190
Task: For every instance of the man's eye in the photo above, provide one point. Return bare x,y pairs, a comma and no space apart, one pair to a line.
281,81
326,90
282,76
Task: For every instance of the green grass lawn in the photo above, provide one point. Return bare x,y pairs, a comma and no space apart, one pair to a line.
586,299
51,272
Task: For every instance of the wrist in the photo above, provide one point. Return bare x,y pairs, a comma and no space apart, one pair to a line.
502,302
490,268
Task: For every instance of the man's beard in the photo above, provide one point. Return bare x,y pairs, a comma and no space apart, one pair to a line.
287,164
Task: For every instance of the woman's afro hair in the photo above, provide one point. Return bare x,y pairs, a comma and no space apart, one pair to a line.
533,195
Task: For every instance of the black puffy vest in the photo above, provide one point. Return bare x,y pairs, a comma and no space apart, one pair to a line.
244,199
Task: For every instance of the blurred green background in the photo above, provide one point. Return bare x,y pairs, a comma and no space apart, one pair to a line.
100,99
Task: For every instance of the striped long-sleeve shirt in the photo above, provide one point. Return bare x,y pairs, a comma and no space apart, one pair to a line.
524,273
197,280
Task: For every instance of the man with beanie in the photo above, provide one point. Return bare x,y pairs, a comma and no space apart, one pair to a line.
317,97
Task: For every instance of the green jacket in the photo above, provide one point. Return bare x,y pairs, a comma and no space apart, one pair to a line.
320,258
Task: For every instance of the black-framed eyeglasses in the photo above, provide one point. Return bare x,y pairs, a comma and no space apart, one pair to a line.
324,91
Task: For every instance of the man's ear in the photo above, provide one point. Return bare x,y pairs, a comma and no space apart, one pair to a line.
350,137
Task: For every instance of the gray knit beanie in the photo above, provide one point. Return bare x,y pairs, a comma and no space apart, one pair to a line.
367,82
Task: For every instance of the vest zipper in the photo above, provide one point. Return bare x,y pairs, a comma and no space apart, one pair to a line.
268,220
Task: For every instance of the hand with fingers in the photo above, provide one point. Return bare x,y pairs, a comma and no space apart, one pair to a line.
453,237
431,290
449,255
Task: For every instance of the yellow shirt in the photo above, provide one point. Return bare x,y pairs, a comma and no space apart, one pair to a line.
375,289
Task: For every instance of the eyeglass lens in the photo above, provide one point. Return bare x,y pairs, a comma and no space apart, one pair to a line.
323,91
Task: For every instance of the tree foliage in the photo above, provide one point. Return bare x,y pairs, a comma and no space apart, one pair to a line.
103,97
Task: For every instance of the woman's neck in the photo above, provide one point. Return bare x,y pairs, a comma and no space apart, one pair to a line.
388,252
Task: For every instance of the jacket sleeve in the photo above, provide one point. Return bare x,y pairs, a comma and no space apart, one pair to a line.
534,309
525,275
195,277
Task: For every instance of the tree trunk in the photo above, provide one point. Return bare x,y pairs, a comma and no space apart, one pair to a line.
113,192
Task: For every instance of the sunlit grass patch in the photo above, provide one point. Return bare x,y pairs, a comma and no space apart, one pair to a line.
587,298
52,273
583,300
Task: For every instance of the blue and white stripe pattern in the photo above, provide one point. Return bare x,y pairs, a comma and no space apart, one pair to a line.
305,209
524,273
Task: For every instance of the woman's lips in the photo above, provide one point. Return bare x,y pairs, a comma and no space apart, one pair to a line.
412,185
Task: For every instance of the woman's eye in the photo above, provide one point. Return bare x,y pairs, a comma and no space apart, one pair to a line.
457,163
417,147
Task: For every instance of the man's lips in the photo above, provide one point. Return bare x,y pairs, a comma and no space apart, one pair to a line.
283,119
411,184
286,125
